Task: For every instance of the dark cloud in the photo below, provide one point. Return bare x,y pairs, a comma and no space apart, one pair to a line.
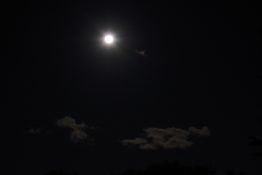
78,133
168,138
34,130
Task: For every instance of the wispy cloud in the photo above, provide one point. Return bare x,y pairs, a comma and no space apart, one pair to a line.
199,132
141,52
34,130
78,133
168,138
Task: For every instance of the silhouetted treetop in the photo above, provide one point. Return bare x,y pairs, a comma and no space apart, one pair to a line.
171,168
56,172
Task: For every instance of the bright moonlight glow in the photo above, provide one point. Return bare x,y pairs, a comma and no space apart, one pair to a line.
109,39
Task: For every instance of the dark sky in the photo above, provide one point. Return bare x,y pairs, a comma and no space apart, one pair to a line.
201,69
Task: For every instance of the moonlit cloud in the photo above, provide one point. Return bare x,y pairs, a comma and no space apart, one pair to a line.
78,133
69,122
168,138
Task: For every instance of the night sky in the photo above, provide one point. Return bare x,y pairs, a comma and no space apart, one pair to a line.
80,106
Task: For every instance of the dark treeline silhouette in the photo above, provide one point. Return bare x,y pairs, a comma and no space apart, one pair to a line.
165,168
230,172
170,168
59,172
257,143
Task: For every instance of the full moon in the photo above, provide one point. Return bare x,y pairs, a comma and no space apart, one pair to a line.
108,39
